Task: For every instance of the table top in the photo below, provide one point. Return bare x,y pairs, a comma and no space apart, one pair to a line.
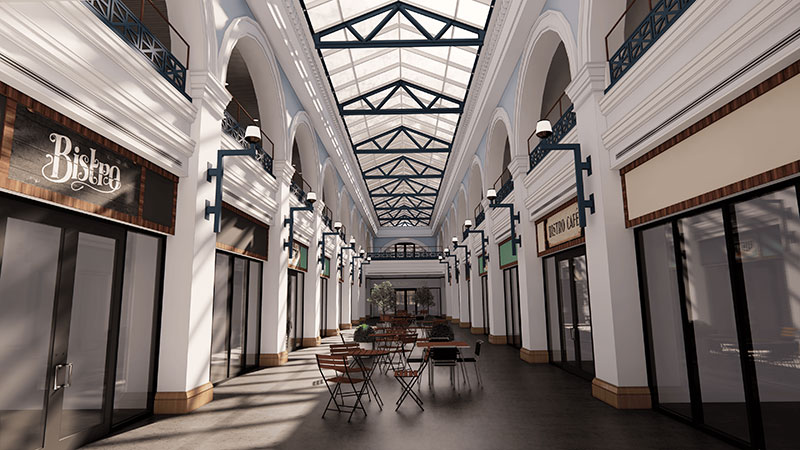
367,352
450,344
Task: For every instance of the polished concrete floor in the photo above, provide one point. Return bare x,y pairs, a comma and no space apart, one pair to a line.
520,406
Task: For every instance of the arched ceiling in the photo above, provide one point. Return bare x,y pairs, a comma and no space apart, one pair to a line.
400,72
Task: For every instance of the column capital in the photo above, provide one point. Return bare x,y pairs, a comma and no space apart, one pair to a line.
211,92
283,170
590,79
518,167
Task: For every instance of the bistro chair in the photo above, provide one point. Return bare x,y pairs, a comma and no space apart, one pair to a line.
474,359
356,366
334,384
445,357
408,378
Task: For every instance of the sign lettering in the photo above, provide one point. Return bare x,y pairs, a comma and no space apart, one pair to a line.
82,170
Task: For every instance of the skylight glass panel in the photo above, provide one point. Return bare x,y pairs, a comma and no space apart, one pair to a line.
407,98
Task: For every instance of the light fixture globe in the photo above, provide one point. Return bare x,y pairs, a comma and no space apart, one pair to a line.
252,134
311,197
337,226
369,258
361,252
491,194
352,241
467,224
543,129
446,251
454,240
441,257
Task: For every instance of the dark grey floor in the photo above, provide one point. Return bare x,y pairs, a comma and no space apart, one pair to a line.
521,406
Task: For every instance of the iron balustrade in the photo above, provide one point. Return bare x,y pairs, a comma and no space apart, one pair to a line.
343,232
503,186
299,187
419,253
234,129
480,215
327,217
563,126
117,16
662,15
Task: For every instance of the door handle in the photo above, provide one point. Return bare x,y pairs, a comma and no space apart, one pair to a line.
572,333
67,379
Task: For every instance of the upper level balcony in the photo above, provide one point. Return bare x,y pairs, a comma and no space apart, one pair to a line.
299,187
416,253
564,111
480,215
152,42
637,29
327,217
504,185
234,124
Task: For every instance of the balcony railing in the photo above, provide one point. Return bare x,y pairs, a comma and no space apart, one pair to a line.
480,215
503,186
327,217
299,188
560,129
419,253
235,124
663,13
130,28
343,233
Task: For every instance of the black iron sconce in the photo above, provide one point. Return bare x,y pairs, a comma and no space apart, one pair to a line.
310,199
336,226
253,136
484,240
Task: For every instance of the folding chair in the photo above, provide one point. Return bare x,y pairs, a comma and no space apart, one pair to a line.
339,364
407,379
445,357
356,367
474,359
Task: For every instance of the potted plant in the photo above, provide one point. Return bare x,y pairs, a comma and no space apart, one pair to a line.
442,330
364,333
382,296
424,299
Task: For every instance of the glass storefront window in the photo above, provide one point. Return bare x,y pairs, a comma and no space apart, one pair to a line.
668,352
768,249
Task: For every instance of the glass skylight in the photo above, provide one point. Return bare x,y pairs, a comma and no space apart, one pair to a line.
400,71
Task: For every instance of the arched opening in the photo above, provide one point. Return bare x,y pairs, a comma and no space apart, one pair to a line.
304,163
328,196
499,157
461,214
555,101
476,192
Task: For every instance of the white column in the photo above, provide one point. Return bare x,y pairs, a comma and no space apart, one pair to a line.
613,284
185,344
531,278
465,321
478,323
346,291
312,285
497,312
333,289
273,314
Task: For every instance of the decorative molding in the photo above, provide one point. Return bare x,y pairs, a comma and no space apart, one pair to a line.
708,197
183,402
312,341
477,330
464,325
637,397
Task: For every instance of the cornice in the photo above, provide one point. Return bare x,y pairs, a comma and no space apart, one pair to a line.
474,102
300,28
205,86
590,79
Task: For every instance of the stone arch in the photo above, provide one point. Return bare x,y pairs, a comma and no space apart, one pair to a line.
476,189
195,21
596,18
499,151
550,31
462,212
303,154
328,193
245,37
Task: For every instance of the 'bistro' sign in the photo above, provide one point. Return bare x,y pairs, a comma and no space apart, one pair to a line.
560,227
46,155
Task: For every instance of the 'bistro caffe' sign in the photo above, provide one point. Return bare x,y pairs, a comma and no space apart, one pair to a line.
49,156
560,227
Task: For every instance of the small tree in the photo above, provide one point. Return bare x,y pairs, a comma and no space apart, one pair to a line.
424,298
382,295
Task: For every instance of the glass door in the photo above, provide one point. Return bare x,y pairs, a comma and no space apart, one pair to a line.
294,310
485,303
323,306
236,316
61,279
512,308
569,312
